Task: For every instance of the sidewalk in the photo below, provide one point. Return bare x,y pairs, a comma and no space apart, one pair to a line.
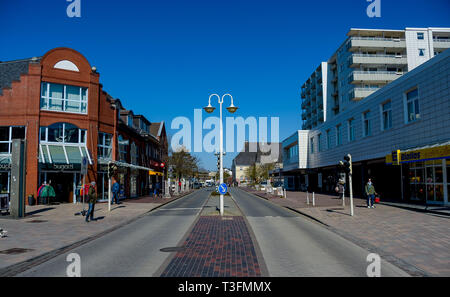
50,228
416,241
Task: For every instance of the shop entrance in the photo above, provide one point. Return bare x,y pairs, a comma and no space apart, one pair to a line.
63,184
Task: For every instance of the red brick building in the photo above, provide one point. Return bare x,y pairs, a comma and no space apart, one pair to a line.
56,103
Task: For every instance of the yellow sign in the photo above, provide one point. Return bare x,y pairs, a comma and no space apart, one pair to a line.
151,172
427,154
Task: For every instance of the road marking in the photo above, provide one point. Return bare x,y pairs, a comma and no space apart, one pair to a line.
177,209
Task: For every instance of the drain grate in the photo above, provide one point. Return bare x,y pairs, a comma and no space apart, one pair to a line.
15,251
36,222
173,249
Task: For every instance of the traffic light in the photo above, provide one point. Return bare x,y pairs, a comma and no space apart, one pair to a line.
218,162
348,166
112,168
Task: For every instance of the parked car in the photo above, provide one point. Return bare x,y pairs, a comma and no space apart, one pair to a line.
263,186
197,186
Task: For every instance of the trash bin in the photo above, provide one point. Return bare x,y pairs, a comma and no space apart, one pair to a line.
31,200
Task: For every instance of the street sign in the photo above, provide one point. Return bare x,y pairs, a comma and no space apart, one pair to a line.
223,189
84,165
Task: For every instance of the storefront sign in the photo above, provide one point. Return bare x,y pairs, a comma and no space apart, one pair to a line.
60,167
5,167
427,154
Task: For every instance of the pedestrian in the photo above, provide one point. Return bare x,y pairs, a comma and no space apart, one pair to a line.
47,193
370,194
44,184
92,194
115,191
157,188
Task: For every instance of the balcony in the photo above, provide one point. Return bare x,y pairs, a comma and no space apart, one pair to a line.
303,93
374,42
360,93
320,117
319,91
441,44
374,76
304,116
358,59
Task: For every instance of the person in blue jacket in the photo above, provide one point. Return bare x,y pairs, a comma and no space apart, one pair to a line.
115,191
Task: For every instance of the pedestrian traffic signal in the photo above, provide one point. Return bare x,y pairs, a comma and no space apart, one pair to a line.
348,166
112,169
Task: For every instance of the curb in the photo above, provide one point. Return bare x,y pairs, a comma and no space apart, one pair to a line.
13,270
415,209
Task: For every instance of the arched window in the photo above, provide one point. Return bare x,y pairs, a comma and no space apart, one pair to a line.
63,133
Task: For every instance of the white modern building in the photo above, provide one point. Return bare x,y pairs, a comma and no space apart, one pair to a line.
410,115
367,60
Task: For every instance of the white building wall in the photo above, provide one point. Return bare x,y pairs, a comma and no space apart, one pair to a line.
413,44
433,81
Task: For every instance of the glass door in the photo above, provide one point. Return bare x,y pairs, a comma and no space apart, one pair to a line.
434,181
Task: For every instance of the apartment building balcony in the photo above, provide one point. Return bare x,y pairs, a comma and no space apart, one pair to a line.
313,86
319,79
358,59
319,91
441,44
320,117
333,66
375,43
360,93
379,77
335,93
304,115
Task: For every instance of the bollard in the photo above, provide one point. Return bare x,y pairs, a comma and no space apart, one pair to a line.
314,199
307,198
285,193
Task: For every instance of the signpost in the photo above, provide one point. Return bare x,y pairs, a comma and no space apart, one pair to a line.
223,189
83,171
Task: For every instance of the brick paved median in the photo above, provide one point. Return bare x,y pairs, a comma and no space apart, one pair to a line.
216,248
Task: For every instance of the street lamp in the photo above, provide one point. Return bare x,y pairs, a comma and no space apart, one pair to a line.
211,109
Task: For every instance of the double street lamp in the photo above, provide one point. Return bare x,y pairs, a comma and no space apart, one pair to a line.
211,109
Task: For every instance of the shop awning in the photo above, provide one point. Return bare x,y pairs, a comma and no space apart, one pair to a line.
123,164
421,154
152,172
63,154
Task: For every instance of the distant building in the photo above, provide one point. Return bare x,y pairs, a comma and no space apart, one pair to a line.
247,158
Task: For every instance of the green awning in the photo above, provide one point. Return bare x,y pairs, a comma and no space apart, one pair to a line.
62,154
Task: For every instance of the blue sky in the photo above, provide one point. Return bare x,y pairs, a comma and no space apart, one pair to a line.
164,58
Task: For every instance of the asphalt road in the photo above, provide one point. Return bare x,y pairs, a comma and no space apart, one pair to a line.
133,250
294,246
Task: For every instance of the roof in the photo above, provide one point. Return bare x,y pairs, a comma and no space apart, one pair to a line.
155,129
247,158
11,71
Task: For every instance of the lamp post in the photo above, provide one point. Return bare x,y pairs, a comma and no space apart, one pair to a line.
231,109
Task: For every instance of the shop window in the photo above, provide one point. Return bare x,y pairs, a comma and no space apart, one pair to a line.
4,182
63,98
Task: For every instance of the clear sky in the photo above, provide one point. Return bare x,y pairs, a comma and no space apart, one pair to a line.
164,58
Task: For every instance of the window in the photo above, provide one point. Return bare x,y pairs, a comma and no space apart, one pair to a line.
328,139
338,135
63,133
319,142
421,52
351,130
412,106
293,151
367,124
420,36
123,149
312,145
104,146
63,98
7,134
386,110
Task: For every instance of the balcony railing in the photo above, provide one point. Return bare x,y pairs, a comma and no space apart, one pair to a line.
358,59
374,76
376,42
361,93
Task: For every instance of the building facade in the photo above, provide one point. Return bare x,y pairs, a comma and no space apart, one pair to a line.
410,116
57,104
366,61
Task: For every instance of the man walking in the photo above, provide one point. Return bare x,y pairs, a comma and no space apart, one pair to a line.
370,194
92,194
115,191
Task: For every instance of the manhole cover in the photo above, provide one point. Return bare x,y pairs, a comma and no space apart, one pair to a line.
36,222
173,249
15,251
